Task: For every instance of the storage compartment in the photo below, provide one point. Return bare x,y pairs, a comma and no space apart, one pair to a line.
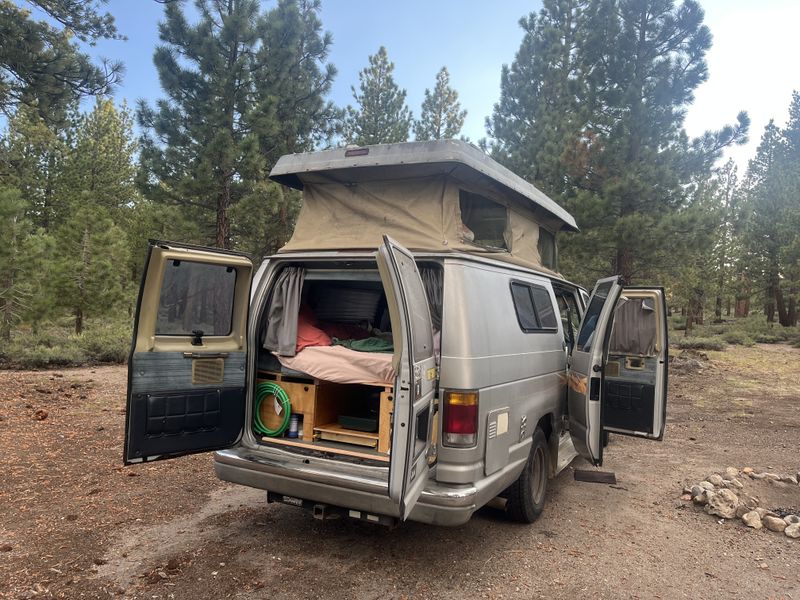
330,414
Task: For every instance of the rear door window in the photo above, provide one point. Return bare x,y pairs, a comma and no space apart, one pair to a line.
196,297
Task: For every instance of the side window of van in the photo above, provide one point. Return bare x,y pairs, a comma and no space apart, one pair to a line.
534,308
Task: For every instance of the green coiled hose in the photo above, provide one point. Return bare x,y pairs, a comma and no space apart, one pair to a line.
264,390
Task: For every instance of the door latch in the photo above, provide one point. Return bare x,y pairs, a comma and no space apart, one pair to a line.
197,340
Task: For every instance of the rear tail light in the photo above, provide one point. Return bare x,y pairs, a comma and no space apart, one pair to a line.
460,419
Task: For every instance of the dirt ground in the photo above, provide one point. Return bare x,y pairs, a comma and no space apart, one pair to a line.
76,524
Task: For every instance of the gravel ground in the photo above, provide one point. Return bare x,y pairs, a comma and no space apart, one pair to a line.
75,524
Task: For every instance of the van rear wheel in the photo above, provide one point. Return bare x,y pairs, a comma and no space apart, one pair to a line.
526,496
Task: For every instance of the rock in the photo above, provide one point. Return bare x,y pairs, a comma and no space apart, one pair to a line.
99,561
6,548
715,480
774,523
793,531
686,497
791,519
687,489
706,485
40,415
748,502
731,473
696,490
723,504
772,476
747,470
701,499
733,483
751,519
758,475
742,510
763,512
789,479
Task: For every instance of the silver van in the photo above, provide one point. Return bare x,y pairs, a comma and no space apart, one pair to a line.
421,377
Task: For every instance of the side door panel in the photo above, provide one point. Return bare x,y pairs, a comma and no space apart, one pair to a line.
415,366
585,378
187,367
635,390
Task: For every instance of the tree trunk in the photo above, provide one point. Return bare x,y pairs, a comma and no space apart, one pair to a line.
728,306
223,224
78,320
625,265
792,313
85,259
718,309
783,313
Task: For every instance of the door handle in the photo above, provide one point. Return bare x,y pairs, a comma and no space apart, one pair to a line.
206,354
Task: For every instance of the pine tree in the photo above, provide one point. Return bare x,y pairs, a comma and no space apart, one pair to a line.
31,157
42,68
242,88
441,116
592,111
96,186
543,97
772,213
88,278
101,159
381,116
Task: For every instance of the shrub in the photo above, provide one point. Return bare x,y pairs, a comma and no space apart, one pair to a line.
739,338
696,343
56,346
107,342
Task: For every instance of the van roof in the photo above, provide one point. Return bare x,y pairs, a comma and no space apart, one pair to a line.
459,159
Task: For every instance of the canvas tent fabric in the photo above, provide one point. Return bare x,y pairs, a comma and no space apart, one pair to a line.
421,213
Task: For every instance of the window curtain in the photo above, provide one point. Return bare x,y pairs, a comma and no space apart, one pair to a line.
432,279
281,331
634,331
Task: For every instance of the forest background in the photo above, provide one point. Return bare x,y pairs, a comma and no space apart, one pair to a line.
592,111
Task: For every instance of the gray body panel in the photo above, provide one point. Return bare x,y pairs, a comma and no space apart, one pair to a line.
518,375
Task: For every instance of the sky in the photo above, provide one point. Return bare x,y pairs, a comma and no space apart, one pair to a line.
751,63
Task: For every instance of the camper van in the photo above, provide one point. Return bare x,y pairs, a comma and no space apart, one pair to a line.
412,353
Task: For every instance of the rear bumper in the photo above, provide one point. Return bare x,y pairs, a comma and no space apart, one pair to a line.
438,504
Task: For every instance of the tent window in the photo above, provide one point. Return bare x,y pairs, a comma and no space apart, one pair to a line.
547,249
485,220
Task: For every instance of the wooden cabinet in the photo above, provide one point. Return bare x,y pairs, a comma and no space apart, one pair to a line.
320,403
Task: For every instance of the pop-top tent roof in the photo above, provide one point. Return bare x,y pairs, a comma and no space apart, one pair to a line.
439,196
456,158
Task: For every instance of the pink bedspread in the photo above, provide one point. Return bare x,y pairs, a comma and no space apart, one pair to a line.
342,365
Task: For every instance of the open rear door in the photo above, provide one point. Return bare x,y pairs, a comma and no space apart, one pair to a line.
415,366
187,367
585,377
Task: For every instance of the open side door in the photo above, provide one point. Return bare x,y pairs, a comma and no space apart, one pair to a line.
585,377
187,366
635,372
415,366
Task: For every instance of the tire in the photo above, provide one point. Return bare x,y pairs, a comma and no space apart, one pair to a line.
526,496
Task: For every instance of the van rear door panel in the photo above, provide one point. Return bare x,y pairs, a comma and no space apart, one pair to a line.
187,367
415,366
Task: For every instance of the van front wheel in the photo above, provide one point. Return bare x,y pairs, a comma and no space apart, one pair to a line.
525,500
